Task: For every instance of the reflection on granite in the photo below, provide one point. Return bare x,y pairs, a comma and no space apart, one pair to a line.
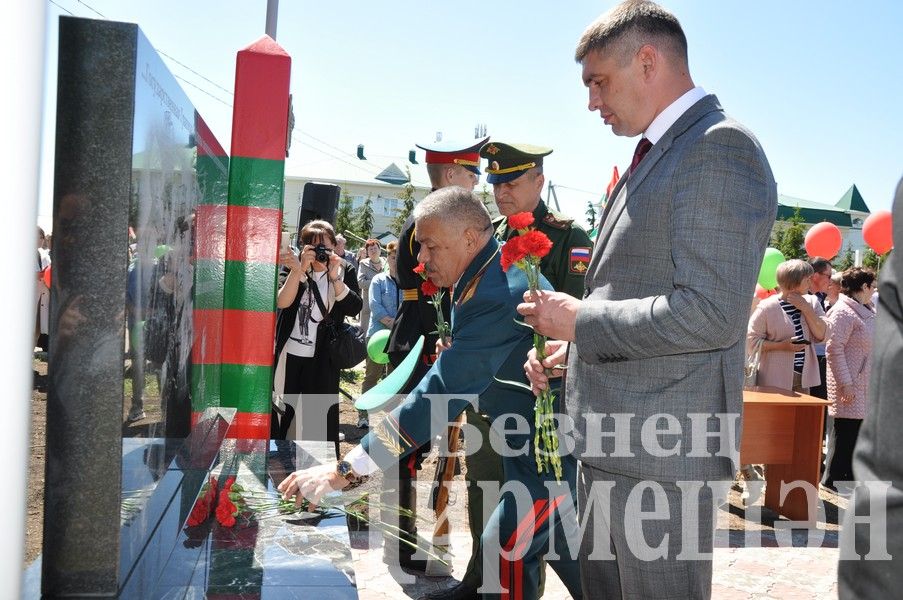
281,556
151,531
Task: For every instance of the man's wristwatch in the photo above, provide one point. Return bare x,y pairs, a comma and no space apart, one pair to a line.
343,468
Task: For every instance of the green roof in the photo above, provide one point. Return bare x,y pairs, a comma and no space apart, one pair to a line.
852,200
812,212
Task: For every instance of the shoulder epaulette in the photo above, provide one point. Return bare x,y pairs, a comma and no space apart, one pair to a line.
557,221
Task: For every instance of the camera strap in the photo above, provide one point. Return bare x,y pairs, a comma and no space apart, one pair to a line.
315,290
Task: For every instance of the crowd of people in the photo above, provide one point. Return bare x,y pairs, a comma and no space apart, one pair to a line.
648,320
815,337
647,331
643,334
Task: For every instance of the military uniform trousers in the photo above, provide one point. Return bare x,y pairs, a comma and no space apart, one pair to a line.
517,539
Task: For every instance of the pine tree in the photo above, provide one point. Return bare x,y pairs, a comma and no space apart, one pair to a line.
487,198
871,260
590,214
343,217
363,218
406,195
790,236
846,260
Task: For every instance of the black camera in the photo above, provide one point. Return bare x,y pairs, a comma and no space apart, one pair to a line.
321,253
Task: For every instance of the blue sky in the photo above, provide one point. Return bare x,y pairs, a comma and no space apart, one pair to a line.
818,82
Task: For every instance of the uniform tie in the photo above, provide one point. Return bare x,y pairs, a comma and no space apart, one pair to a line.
642,148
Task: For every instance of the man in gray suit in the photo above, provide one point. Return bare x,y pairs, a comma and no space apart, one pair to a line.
655,368
879,453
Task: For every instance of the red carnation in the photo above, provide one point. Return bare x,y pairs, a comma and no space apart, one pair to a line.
521,220
202,506
535,243
513,252
225,517
420,269
429,288
199,513
226,511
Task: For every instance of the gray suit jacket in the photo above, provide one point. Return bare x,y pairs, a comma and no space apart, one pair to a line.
879,452
661,328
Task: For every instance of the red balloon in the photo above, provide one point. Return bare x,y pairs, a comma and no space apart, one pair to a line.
762,293
824,240
877,231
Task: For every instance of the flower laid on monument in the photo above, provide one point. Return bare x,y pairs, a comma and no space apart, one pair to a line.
525,251
229,501
435,293
204,504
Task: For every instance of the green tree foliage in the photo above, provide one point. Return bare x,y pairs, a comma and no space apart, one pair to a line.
871,260
590,214
487,198
846,260
406,195
344,219
363,218
790,236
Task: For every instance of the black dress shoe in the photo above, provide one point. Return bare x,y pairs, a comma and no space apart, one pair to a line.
464,590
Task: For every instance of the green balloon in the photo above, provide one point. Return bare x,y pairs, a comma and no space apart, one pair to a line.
376,347
768,271
387,389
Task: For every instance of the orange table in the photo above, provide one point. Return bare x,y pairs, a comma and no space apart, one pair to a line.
783,430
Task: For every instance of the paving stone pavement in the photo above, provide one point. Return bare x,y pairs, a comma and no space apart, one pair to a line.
773,571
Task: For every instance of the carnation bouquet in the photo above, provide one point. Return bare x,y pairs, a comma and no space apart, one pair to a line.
525,251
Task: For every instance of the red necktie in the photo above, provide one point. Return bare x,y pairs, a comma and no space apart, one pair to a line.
642,148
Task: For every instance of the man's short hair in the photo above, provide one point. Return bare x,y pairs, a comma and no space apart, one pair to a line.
791,273
628,26
820,265
340,239
454,204
435,171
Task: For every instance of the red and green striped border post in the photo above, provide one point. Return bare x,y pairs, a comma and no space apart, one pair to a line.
253,227
209,269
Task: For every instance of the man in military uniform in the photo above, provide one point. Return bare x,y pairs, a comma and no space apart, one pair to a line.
447,163
515,172
486,352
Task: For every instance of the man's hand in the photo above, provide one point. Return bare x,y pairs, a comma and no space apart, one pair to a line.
535,370
312,483
442,346
553,314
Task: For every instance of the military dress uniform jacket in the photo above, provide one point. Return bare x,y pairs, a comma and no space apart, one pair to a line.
416,314
487,345
488,348
565,265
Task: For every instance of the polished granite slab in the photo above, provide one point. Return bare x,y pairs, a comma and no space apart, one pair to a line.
259,557
269,556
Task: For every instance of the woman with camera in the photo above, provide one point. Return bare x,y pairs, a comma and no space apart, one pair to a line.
320,287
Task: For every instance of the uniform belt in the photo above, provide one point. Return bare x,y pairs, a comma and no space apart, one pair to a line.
410,295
